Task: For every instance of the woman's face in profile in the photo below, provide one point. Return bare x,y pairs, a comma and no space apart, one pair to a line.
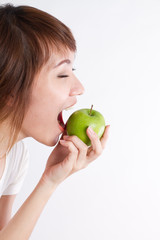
55,89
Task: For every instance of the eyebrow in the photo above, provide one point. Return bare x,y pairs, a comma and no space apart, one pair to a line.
62,62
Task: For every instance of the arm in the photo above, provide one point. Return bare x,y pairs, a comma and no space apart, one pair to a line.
69,156
6,203
21,225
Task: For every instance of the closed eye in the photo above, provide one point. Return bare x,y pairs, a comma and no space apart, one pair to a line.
65,76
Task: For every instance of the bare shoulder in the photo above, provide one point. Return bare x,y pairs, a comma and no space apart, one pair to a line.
6,203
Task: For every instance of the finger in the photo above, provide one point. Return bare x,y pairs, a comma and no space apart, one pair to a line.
69,161
77,142
82,148
71,147
95,142
105,136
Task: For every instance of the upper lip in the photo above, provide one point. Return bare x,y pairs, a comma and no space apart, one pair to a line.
60,118
71,105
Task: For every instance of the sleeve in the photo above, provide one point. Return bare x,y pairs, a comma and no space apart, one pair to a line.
15,186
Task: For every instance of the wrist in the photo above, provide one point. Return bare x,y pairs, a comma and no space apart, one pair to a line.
46,186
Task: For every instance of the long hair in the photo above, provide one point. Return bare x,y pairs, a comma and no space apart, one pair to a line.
28,37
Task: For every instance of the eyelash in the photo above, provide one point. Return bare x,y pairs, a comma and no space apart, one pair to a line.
65,76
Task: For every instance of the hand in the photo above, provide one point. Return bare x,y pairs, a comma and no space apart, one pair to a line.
71,155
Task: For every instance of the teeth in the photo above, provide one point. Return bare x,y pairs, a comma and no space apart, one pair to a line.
68,108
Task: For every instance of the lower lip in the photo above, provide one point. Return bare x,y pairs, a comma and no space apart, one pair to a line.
61,128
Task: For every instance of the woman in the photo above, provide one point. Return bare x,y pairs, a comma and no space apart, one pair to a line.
37,83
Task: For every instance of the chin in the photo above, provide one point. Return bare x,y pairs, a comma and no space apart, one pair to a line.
51,142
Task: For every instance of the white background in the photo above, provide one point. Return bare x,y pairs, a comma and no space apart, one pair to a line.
118,61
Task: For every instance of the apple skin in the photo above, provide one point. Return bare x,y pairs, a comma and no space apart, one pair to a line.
80,120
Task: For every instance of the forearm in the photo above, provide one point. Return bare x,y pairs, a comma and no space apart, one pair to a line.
21,225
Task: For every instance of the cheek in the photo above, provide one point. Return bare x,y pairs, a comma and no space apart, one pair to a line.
40,123
45,105
41,111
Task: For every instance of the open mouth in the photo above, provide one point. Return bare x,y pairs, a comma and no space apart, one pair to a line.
60,120
60,117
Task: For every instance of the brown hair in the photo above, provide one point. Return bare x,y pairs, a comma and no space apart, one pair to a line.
28,37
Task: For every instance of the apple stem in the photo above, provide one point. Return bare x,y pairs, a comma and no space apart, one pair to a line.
91,110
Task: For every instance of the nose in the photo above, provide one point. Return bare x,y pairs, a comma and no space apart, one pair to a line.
77,88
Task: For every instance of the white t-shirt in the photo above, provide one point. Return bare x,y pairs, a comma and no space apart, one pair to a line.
17,162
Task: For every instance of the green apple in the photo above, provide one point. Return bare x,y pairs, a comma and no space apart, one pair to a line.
80,120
